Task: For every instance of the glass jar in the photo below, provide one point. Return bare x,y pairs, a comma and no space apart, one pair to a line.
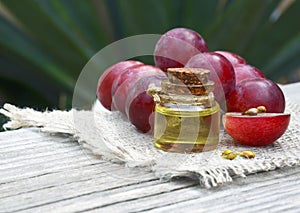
187,117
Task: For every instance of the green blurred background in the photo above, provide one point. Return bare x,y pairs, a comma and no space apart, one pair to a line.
44,44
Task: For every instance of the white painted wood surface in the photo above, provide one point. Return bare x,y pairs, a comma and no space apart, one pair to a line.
43,173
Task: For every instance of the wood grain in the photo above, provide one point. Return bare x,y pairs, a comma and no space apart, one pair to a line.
61,176
53,173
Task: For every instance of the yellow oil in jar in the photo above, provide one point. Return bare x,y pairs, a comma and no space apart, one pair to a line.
186,130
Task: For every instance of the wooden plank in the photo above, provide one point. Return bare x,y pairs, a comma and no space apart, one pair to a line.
102,198
62,162
49,180
130,200
138,195
80,174
68,191
35,154
256,194
40,176
20,136
292,91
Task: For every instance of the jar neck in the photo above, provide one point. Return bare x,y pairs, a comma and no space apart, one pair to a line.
185,87
192,100
162,97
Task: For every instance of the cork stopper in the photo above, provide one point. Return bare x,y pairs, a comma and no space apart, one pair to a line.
182,89
188,76
188,81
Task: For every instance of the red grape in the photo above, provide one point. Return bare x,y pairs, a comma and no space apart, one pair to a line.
107,78
256,92
125,82
256,130
232,57
139,105
221,72
244,71
176,47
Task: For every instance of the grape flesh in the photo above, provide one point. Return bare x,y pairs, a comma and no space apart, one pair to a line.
176,47
232,57
221,73
244,71
254,92
125,82
107,78
140,106
258,130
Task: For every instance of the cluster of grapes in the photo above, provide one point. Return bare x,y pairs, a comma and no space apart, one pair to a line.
238,85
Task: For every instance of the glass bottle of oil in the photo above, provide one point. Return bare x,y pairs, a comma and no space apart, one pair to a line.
187,118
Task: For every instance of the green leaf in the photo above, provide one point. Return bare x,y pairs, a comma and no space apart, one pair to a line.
287,59
15,43
271,43
45,44
238,25
200,15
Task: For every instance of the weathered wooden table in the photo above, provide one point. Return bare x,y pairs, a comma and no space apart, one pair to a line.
43,173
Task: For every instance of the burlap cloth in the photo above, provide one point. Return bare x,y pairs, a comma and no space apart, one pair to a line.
111,136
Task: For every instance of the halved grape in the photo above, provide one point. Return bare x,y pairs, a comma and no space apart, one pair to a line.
256,130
